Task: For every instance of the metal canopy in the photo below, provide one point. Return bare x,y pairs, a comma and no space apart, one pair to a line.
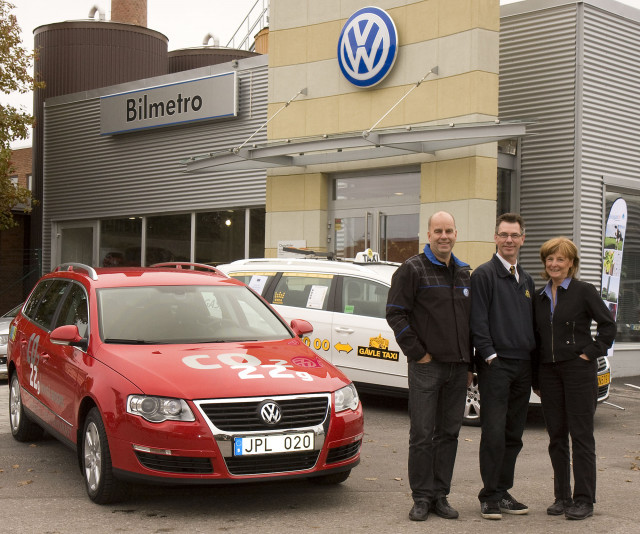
366,145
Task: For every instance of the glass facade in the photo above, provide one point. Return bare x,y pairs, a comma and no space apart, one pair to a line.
219,237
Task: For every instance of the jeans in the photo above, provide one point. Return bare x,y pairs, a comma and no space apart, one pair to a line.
505,389
437,397
569,393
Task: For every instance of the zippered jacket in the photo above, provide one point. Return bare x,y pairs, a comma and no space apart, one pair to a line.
428,308
569,333
502,311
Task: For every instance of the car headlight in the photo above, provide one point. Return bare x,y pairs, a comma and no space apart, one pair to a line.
158,409
4,339
346,398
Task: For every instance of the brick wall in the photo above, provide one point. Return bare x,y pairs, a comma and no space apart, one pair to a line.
21,158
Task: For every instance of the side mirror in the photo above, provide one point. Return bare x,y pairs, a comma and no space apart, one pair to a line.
301,327
68,335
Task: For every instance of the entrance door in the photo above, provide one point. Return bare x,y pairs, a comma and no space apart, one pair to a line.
380,211
76,243
391,232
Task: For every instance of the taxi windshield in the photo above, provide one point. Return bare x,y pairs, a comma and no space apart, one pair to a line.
185,314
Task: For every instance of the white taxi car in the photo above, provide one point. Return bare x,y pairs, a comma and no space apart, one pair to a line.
345,301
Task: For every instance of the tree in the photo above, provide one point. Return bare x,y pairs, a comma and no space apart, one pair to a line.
15,63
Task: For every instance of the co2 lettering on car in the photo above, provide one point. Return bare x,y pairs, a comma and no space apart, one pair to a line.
33,359
249,367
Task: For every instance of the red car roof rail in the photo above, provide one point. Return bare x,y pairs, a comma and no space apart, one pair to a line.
71,266
190,265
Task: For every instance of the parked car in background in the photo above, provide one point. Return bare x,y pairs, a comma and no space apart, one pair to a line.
176,374
5,321
345,301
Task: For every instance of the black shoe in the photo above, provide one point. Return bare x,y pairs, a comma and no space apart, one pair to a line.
579,510
442,508
419,512
490,510
559,507
509,505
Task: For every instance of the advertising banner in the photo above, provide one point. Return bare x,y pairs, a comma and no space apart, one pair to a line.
612,256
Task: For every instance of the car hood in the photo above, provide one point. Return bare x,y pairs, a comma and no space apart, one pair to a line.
216,370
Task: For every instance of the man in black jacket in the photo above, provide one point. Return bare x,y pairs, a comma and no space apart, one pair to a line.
428,309
502,331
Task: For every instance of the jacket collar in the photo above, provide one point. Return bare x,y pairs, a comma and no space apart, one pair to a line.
431,257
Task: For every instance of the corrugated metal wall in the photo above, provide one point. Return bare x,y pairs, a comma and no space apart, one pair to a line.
572,68
537,83
88,176
610,119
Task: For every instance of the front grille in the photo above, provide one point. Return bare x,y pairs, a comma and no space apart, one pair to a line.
244,416
602,363
175,464
603,391
272,463
339,454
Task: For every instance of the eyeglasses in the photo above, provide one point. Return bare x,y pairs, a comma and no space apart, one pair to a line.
504,235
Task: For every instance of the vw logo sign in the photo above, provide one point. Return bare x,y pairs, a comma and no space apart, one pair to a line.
270,412
367,47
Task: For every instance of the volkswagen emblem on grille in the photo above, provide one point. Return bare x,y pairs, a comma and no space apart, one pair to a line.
367,47
270,412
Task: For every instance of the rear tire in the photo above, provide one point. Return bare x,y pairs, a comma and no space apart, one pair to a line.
22,427
102,486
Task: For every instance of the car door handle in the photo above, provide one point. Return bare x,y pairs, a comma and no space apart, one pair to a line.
344,330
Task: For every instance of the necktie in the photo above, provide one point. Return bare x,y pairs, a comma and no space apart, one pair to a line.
512,270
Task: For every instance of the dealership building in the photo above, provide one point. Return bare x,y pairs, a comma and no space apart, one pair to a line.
345,128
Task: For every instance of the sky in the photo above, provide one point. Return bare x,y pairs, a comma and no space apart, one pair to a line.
184,22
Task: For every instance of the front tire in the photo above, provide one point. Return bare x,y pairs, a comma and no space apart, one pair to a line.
22,428
97,470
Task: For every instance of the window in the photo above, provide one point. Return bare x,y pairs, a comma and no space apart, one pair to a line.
220,236
364,297
168,239
46,309
303,290
74,310
120,241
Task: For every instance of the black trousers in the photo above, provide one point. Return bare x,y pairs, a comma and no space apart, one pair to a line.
437,396
569,393
505,389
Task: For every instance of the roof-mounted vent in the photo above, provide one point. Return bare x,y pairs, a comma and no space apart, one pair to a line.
99,11
209,37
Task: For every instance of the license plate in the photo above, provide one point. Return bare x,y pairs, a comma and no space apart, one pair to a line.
604,379
273,444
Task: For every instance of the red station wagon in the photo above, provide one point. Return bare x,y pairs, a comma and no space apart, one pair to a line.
176,373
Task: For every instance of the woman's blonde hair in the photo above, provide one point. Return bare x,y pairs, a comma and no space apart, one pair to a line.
564,246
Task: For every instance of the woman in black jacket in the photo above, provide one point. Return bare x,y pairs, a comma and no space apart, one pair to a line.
565,373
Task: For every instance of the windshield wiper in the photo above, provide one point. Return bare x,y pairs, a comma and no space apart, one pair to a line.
132,342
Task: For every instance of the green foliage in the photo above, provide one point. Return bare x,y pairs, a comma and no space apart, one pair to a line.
15,62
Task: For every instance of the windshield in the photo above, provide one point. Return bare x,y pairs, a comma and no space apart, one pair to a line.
185,314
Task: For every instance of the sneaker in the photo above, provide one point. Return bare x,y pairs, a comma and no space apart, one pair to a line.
490,510
419,512
509,505
559,507
579,510
442,508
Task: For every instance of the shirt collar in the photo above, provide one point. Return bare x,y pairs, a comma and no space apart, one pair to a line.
432,257
506,264
564,285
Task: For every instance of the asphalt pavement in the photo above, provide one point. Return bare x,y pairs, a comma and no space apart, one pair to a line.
41,489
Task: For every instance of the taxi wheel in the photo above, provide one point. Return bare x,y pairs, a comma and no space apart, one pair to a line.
333,478
472,404
102,487
22,428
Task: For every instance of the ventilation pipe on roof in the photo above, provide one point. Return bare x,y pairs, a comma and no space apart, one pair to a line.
99,11
209,37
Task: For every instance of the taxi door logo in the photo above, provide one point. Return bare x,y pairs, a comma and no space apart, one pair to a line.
368,47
